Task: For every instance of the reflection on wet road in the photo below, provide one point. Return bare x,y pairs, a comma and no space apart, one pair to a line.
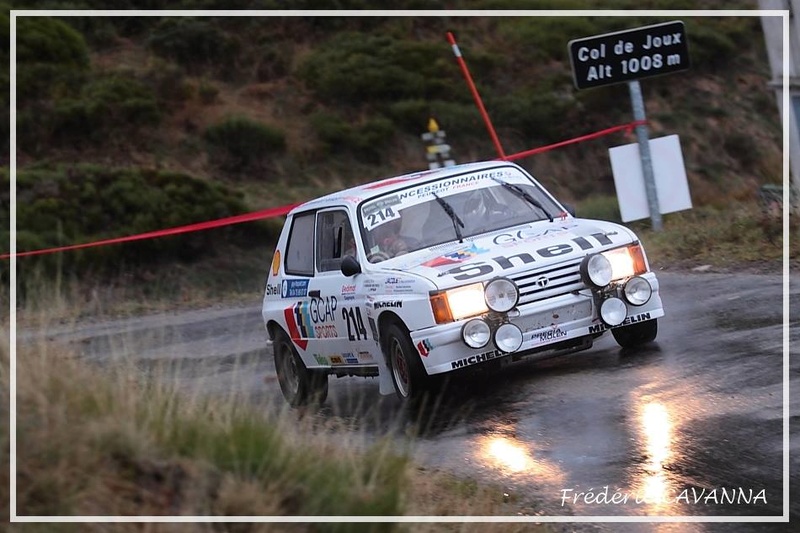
690,425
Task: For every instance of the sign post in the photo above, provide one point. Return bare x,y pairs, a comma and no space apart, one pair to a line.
644,150
627,56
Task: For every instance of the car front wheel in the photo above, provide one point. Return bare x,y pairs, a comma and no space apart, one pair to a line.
636,334
299,385
408,374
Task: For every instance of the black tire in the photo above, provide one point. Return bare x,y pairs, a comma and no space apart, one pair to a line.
299,385
636,334
408,375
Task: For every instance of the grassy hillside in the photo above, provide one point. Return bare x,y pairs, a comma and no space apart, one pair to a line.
244,113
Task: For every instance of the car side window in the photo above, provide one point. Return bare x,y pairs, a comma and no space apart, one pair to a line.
334,239
299,251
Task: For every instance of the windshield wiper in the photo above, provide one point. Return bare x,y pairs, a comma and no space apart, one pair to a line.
453,216
525,195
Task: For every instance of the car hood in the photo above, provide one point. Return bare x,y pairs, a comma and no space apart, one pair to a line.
511,250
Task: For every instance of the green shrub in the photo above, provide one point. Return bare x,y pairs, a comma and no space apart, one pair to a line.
364,140
536,113
195,43
207,91
109,107
547,38
239,143
359,67
85,203
714,43
52,58
168,82
49,40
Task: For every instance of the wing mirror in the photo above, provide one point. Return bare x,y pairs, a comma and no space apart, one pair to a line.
350,266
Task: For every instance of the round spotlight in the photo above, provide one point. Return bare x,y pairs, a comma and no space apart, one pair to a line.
476,333
638,291
596,269
508,338
613,311
501,295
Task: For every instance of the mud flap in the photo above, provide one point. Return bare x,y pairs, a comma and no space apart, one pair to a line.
384,376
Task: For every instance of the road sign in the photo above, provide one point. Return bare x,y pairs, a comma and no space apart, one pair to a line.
629,54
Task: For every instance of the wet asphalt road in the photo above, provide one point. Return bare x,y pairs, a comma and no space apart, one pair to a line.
692,425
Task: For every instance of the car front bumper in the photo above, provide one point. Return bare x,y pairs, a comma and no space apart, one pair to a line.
551,322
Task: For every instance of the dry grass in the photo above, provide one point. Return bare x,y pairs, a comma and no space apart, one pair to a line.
112,439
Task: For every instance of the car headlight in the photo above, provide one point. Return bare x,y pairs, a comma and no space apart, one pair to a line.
508,338
597,270
637,291
458,303
626,261
476,333
620,263
613,311
501,295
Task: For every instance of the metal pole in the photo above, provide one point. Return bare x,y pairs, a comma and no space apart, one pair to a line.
475,95
644,152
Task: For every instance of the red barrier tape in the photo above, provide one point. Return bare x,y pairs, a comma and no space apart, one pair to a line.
629,126
237,219
282,210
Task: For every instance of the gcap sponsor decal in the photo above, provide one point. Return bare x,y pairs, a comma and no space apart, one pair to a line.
276,262
641,317
311,319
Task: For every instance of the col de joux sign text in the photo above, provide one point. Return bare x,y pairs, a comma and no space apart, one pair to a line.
629,55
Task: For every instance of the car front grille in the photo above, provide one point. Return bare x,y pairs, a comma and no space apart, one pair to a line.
544,283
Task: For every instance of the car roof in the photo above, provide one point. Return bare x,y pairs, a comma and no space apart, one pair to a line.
359,193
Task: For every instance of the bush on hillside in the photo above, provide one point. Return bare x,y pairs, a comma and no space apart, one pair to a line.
365,140
109,108
240,144
195,43
52,58
86,203
356,67
542,115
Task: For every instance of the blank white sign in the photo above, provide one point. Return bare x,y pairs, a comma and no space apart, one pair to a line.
672,188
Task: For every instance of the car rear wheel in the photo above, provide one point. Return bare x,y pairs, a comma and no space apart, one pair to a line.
299,385
408,374
636,334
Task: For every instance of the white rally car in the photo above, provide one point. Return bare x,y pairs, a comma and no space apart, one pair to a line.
471,266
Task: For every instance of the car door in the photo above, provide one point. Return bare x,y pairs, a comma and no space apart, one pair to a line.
309,310
335,239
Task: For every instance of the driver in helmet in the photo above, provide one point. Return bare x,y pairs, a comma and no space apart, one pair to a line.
388,240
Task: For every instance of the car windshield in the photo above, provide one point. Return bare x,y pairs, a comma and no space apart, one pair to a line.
453,208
